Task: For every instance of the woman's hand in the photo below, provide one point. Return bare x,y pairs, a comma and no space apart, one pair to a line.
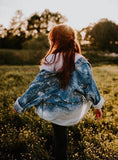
15,110
98,114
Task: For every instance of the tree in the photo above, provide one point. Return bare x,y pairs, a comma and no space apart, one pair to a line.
16,33
3,34
103,35
79,36
34,25
49,19
40,43
18,24
3,31
22,29
42,23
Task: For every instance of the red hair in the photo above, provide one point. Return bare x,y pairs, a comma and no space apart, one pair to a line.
62,40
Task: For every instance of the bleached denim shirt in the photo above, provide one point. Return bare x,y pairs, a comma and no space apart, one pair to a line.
63,107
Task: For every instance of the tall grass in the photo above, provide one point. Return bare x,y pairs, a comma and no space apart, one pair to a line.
26,136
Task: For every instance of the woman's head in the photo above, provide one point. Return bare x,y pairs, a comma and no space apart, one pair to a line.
62,38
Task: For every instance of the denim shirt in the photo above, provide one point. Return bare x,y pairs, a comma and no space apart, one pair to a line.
60,106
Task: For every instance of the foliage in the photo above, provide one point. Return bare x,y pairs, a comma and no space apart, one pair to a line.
42,23
15,35
78,36
21,57
103,35
3,32
22,29
100,36
40,43
18,24
12,41
38,50
100,57
26,136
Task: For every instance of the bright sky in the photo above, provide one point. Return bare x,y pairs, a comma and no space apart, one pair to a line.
80,13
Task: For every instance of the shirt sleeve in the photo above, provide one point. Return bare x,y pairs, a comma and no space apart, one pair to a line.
91,91
31,96
28,99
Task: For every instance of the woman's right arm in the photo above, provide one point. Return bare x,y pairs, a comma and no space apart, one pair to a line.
31,96
27,99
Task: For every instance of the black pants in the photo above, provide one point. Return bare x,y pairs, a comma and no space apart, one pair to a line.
61,142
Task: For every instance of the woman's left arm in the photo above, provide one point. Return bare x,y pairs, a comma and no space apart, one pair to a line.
91,91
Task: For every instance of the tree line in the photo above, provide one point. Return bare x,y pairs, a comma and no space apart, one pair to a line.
22,29
31,33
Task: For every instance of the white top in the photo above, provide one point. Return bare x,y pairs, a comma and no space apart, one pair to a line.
57,65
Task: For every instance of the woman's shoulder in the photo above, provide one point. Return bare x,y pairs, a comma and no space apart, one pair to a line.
80,59
77,57
53,62
82,66
50,57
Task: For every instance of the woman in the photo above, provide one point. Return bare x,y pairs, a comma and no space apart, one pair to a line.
64,90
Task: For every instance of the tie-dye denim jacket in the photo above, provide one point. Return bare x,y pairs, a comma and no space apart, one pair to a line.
46,95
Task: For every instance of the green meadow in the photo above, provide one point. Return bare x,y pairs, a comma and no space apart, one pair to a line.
27,137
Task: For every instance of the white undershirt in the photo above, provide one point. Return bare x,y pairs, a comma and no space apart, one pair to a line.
56,65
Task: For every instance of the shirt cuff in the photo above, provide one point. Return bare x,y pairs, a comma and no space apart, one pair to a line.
18,107
100,104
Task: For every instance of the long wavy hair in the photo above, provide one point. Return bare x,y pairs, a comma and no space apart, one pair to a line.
63,40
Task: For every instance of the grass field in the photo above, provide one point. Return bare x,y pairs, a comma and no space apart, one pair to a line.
26,136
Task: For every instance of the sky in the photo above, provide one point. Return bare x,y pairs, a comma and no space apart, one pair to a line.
80,13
